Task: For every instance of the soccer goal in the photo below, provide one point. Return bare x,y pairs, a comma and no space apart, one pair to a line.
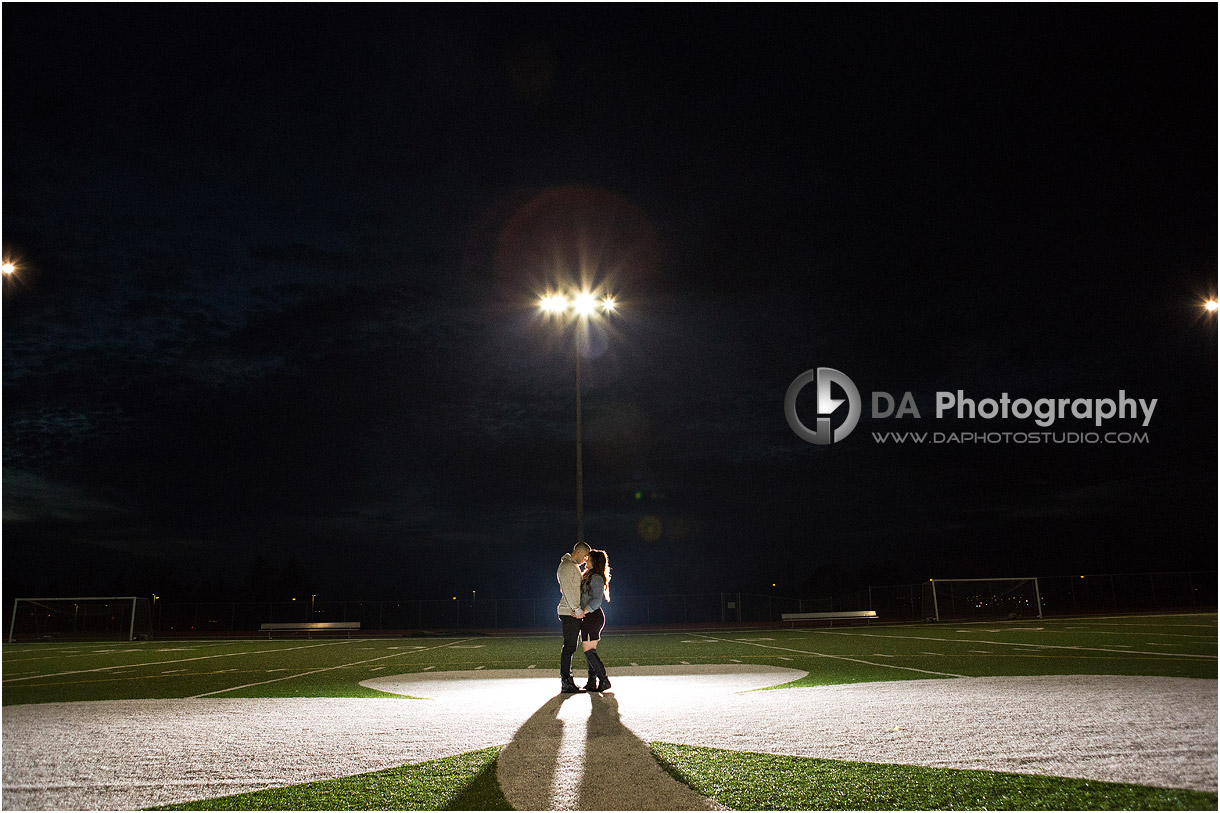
123,618
964,599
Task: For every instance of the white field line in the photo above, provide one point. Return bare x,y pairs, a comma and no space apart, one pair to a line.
839,658
179,660
1159,615
324,669
77,653
1011,643
1143,632
1081,619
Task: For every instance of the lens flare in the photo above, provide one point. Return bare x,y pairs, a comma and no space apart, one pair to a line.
9,267
553,303
1211,305
584,303
649,528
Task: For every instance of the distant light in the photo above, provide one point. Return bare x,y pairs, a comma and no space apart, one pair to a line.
608,304
455,598
1209,304
553,303
9,268
584,303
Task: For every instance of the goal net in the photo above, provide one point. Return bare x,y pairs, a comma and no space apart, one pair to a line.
965,599
123,618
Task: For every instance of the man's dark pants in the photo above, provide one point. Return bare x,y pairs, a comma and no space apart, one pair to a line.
571,637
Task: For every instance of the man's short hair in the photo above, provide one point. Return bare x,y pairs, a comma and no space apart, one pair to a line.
579,545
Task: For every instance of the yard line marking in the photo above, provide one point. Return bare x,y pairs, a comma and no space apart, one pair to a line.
76,653
426,668
532,666
633,663
1009,643
172,671
782,658
978,651
1150,632
316,671
684,663
734,660
874,655
179,660
1101,618
471,646
844,658
375,668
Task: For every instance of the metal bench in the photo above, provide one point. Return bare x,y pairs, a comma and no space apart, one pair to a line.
846,615
310,627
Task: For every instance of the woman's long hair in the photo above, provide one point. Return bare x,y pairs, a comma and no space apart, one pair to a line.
598,563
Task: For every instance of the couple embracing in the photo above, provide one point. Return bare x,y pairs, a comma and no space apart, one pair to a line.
581,594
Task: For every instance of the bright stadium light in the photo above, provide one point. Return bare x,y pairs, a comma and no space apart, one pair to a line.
1210,305
584,303
9,267
584,307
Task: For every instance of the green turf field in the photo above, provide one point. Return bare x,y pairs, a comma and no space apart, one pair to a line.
1167,645
1177,645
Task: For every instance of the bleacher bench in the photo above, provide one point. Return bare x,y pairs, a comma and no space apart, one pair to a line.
845,615
310,627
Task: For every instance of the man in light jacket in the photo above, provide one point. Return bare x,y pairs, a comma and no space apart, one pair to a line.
569,610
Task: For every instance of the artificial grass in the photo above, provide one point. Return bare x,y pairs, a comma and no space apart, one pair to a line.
463,782
1170,646
744,780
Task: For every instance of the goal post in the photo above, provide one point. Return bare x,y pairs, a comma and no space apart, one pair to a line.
83,617
964,599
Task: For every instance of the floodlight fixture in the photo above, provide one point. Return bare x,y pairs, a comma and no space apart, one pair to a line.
584,304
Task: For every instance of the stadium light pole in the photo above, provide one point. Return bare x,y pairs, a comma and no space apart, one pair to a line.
583,307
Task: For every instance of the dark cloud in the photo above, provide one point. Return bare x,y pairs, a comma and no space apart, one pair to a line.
279,275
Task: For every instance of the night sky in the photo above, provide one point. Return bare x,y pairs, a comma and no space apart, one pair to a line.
274,329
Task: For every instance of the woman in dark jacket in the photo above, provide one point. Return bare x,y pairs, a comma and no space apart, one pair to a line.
594,589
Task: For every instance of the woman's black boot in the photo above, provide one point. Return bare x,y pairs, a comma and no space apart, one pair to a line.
596,665
591,685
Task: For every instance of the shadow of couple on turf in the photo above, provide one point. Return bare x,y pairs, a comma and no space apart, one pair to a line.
608,768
